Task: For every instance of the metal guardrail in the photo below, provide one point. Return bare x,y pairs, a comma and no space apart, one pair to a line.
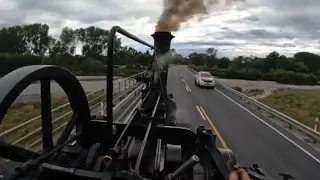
128,82
129,98
309,132
102,102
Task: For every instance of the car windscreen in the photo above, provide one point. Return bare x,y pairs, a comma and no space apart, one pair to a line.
205,74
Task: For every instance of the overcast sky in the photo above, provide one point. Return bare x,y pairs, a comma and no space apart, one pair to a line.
255,27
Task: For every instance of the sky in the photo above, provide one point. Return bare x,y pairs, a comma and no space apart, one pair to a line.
253,27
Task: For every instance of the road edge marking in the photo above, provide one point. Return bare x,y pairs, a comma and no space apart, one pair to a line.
201,113
267,124
224,144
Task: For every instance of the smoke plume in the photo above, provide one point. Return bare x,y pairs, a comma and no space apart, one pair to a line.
176,12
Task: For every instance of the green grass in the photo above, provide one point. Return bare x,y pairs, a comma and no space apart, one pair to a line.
22,112
302,105
237,88
253,92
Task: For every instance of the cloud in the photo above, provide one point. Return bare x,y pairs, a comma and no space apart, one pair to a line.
254,27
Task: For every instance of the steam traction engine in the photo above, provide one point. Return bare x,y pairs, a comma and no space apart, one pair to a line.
148,146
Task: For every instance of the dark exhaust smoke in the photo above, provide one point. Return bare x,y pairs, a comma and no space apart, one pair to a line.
176,12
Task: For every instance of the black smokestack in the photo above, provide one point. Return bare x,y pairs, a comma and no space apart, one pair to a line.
162,58
162,41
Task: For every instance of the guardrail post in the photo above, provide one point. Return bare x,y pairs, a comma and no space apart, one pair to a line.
101,112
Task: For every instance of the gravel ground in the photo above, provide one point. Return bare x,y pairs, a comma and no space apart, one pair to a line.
267,86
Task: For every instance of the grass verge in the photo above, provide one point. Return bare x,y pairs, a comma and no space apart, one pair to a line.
253,92
21,112
302,105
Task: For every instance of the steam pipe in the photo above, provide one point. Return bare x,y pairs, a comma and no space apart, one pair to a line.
109,72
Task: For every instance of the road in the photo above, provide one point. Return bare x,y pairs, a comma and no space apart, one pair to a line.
253,138
32,92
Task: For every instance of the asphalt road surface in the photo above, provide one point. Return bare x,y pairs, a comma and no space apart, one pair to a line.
253,138
32,92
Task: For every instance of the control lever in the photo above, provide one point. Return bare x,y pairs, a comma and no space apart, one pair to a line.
185,166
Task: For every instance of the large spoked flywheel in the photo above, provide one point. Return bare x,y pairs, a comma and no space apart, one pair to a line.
15,82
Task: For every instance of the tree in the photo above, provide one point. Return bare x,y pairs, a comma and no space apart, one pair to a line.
37,39
212,52
94,41
197,59
68,40
31,44
12,40
224,63
271,60
312,61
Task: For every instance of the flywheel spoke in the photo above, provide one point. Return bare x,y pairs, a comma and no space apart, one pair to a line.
47,141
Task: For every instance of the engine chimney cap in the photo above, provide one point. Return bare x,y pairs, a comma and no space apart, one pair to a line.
162,34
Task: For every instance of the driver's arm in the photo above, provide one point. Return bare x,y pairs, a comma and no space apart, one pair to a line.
238,175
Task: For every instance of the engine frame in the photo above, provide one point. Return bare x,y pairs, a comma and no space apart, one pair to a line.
149,146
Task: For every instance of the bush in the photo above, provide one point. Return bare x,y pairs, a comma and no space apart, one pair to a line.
290,77
9,62
279,75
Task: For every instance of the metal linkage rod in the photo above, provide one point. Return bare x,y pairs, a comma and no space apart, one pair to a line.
128,124
137,166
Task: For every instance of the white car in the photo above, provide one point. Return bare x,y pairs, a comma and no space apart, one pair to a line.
204,79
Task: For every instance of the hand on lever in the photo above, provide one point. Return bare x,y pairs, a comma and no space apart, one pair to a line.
238,175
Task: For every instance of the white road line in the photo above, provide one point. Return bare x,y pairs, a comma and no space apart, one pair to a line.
200,113
284,136
187,89
187,86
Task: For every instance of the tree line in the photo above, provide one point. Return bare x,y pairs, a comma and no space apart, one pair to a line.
301,69
31,44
